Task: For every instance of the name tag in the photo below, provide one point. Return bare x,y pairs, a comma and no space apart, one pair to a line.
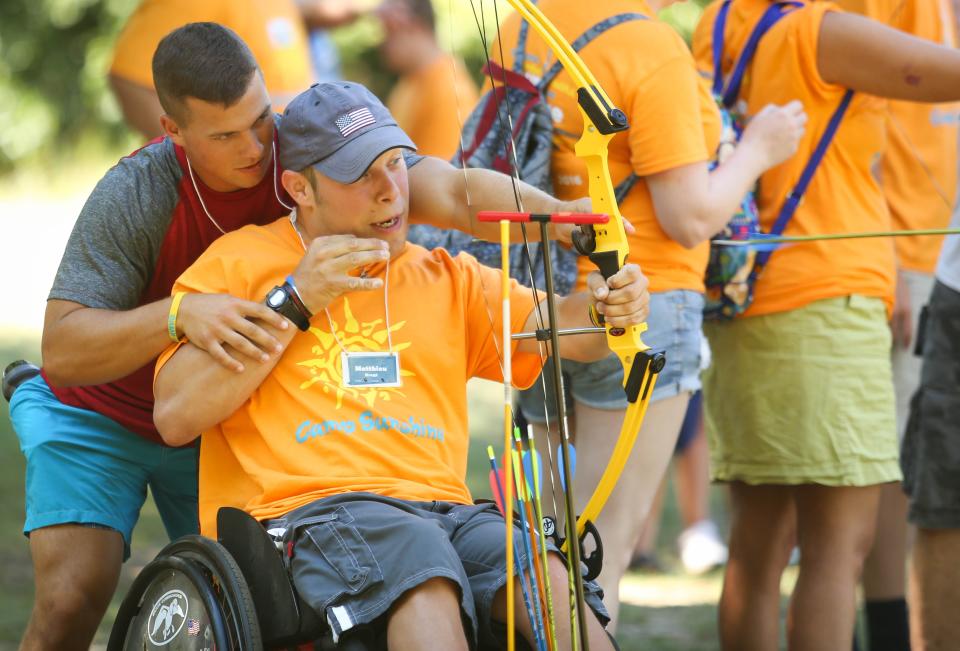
370,369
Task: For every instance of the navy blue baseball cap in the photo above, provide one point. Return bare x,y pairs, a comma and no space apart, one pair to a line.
338,128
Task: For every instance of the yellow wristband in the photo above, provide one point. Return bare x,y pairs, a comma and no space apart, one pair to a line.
172,316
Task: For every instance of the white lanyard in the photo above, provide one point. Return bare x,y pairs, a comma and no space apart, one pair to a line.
363,369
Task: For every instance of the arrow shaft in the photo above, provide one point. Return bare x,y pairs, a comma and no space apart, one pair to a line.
786,239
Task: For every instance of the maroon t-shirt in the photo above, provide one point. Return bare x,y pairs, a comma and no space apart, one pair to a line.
141,228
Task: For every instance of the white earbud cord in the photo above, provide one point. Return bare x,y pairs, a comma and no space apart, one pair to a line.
276,191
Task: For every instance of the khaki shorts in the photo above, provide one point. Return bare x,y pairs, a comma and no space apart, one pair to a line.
931,449
803,397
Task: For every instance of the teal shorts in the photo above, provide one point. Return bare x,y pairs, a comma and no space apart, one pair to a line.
84,468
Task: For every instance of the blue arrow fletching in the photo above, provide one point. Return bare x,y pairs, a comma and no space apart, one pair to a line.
756,242
573,464
771,246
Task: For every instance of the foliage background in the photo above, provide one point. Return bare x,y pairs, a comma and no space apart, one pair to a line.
54,56
53,88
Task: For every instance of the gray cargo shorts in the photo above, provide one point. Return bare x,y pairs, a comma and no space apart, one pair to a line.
930,453
353,555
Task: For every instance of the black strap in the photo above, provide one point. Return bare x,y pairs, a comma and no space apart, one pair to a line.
796,196
584,39
770,17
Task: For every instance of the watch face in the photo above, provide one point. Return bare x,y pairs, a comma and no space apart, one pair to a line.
276,297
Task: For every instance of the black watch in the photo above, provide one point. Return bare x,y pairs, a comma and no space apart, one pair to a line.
280,299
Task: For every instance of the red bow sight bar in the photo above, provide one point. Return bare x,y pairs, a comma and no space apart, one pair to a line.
556,217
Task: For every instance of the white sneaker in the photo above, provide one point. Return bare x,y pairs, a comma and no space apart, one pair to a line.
701,549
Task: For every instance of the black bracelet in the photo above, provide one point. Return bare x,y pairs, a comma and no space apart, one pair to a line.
296,298
280,299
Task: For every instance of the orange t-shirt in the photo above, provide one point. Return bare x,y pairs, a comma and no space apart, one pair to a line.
272,29
426,104
844,196
301,436
919,167
648,72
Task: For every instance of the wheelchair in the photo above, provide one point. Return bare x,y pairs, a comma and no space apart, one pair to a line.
232,593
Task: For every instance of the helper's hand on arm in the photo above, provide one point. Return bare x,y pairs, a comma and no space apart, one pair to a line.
193,392
213,321
775,131
323,273
438,197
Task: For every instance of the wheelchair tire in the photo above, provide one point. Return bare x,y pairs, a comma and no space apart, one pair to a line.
192,597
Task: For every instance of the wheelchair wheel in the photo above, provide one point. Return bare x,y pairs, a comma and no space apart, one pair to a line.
192,597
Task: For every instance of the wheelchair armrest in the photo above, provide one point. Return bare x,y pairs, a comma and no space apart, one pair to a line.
16,374
284,618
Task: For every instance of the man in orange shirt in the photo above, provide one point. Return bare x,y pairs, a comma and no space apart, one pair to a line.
273,29
434,87
90,415
354,438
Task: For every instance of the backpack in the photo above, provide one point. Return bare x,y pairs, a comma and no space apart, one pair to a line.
732,271
512,129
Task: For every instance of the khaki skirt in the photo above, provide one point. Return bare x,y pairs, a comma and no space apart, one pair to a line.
803,397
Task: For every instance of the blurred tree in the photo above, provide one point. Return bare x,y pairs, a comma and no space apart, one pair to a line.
53,60
54,56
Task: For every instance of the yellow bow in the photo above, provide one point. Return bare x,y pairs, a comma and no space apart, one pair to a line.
608,248
601,121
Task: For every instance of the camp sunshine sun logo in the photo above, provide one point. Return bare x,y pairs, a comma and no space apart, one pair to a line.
326,369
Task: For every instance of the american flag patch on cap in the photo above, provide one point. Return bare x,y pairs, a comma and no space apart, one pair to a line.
193,627
354,120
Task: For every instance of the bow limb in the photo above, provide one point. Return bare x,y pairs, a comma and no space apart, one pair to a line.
640,365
